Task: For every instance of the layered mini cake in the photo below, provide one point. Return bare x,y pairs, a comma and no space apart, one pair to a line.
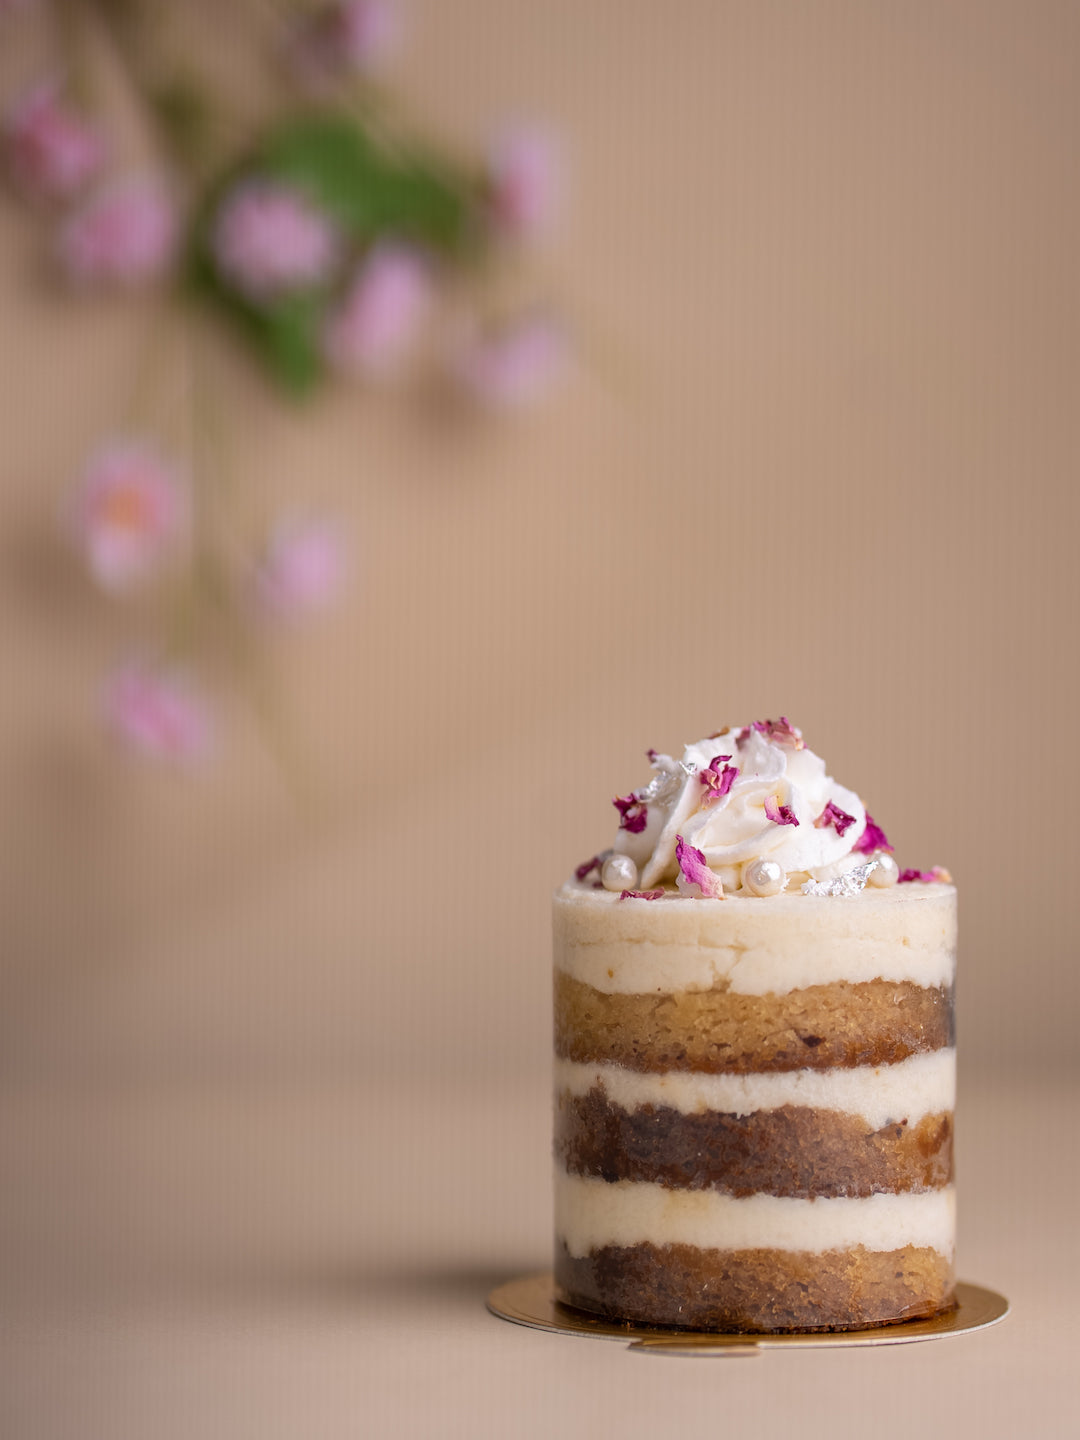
755,1072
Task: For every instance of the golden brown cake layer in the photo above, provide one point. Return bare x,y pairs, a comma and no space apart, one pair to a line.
791,1151
756,1290
877,1022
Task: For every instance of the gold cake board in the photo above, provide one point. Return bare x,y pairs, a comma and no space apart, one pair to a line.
531,1301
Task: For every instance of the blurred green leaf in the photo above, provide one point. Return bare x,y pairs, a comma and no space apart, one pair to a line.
291,332
370,192
184,114
285,332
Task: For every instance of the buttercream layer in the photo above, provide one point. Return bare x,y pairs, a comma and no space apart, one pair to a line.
753,946
821,1027
921,1085
591,1213
788,1151
759,1289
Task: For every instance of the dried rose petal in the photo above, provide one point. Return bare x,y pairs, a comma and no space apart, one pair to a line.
833,815
633,815
872,838
588,866
779,732
718,778
695,869
641,894
936,875
779,814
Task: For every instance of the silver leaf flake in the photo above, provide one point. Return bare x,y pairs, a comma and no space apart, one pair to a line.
847,885
661,788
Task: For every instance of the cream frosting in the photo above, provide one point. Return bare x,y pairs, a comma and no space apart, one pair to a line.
732,829
752,946
592,1213
884,1094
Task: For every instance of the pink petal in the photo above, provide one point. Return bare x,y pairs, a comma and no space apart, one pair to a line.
696,871
373,328
779,814
633,815
872,838
717,781
269,240
158,714
515,365
588,866
52,150
937,875
780,732
525,182
124,235
130,509
303,571
641,894
348,35
832,815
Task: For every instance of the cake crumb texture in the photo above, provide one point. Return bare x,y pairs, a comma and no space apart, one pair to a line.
756,1290
792,1151
877,1022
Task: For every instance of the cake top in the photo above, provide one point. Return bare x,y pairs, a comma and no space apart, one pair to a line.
750,811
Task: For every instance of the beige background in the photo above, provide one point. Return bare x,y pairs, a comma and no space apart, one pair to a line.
820,459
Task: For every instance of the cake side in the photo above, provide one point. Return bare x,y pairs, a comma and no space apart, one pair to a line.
697,1288
777,1160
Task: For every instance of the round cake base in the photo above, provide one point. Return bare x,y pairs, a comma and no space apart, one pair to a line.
531,1301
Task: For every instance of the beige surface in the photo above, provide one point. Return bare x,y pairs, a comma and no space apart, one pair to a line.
311,1262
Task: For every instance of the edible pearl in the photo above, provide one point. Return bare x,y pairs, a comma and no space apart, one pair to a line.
764,877
886,872
619,873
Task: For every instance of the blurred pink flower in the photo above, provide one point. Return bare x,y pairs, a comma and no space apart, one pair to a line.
515,365
349,35
158,713
525,182
304,570
382,312
129,510
52,151
124,235
269,239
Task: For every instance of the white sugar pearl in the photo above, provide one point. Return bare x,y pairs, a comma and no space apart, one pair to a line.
619,873
764,877
887,872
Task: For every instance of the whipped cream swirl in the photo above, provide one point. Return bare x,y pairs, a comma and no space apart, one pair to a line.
781,805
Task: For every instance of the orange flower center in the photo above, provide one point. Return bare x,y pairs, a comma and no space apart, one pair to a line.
127,507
